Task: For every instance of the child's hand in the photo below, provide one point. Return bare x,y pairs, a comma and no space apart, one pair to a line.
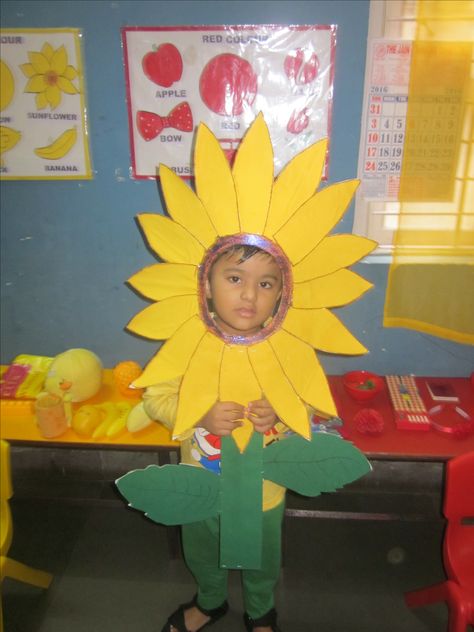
222,418
262,415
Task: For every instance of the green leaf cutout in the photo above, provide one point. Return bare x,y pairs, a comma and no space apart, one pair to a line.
323,464
172,494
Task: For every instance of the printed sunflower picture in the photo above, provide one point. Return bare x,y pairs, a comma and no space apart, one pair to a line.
49,76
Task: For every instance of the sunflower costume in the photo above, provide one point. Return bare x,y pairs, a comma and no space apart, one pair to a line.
245,205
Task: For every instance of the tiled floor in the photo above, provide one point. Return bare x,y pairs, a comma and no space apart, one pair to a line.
113,573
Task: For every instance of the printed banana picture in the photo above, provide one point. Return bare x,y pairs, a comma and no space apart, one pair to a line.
61,146
8,139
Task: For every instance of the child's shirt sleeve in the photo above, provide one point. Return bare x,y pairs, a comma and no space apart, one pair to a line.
160,402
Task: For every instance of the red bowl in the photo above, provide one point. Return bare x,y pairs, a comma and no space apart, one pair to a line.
362,385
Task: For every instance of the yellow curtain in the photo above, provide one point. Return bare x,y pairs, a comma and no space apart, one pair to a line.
431,279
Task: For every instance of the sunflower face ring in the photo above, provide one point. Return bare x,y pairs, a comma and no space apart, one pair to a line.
246,239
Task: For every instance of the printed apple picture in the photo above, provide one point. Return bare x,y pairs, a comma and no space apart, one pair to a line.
301,66
299,121
163,65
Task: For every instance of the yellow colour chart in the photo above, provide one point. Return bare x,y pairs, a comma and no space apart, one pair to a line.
43,123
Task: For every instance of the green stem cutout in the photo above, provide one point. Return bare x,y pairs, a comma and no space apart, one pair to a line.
241,504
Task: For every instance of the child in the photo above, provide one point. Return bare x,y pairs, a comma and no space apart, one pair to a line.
244,288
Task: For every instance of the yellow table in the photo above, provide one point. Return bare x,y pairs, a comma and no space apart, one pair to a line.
18,424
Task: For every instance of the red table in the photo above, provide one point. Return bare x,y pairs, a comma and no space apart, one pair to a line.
414,445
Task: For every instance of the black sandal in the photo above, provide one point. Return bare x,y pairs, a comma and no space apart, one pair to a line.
268,619
177,618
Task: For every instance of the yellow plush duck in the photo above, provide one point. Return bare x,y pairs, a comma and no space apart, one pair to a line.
74,375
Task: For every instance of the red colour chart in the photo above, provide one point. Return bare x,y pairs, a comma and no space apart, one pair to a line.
223,76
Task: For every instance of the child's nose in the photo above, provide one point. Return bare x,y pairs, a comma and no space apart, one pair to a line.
249,292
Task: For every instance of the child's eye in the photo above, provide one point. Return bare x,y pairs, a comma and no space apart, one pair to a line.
266,285
234,279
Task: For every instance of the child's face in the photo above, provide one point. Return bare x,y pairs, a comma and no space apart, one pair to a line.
244,294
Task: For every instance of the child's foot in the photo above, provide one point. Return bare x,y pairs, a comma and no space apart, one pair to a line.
266,623
194,620
190,618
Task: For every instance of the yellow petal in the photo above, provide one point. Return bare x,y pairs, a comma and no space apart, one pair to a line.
163,280
160,320
66,86
169,240
47,50
173,358
315,219
301,367
39,62
253,177
296,183
322,330
333,253
28,70
333,290
186,208
214,183
53,95
238,384
36,84
59,60
200,386
41,101
277,389
70,73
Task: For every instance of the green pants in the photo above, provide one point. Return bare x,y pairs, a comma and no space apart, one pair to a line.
201,552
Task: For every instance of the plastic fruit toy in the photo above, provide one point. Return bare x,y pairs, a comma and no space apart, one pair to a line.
124,374
86,420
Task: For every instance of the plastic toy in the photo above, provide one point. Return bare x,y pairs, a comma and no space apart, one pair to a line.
124,374
362,385
138,419
77,372
51,416
369,422
99,421
74,375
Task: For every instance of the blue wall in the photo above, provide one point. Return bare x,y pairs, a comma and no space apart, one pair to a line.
68,247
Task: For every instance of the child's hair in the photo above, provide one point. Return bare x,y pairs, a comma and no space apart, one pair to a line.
246,252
